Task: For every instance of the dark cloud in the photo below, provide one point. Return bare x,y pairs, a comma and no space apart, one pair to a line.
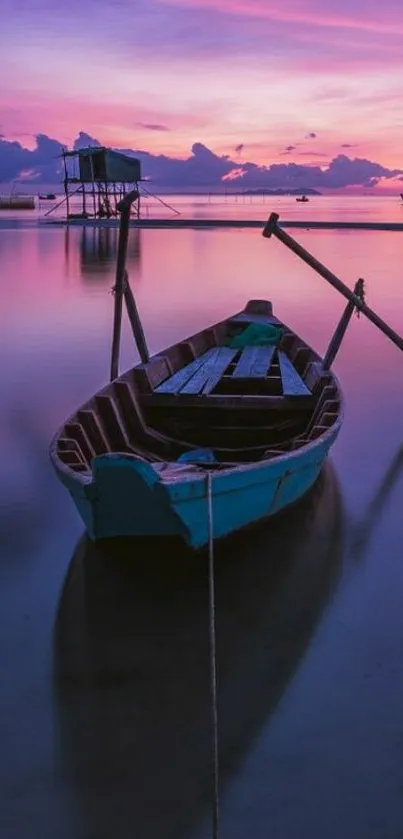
288,149
43,161
312,154
238,149
202,169
311,136
345,171
153,126
84,140
348,146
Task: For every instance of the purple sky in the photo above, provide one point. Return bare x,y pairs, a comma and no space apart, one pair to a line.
271,82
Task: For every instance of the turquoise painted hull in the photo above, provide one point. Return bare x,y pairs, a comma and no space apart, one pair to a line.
128,497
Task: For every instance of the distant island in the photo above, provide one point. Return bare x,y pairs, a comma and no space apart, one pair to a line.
308,191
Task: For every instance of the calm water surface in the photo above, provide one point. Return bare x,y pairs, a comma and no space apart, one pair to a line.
371,208
104,701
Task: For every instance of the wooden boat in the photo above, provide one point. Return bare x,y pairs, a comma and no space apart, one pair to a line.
48,196
264,416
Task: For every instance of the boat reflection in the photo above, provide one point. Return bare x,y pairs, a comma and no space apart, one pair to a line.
131,661
98,248
361,531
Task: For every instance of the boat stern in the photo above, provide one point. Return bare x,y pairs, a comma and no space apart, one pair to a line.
128,498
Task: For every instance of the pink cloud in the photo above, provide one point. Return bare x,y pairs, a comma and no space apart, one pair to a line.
234,174
65,117
294,12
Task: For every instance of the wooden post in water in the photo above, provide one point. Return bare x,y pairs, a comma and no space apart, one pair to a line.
122,289
94,200
272,228
84,202
66,189
341,328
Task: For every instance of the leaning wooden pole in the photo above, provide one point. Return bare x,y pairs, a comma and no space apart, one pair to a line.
124,208
135,322
272,229
341,328
63,200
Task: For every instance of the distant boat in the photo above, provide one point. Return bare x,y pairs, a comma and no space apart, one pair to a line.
257,422
303,199
48,196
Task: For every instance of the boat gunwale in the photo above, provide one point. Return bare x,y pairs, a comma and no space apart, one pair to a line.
194,472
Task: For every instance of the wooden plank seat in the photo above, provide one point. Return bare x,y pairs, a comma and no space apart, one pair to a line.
208,376
292,383
175,383
254,362
201,375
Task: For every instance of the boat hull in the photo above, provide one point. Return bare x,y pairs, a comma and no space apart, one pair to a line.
252,423
128,497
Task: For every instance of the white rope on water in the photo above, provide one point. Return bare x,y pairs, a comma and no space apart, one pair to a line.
213,661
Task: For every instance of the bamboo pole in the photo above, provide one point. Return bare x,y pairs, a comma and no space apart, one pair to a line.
66,188
272,228
151,194
59,204
94,200
121,286
117,331
135,322
84,202
124,207
340,331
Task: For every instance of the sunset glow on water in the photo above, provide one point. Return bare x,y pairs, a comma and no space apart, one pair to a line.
56,323
105,705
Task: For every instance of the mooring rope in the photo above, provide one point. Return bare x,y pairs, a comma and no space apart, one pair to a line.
213,661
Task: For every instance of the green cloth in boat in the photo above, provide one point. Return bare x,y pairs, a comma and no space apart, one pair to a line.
257,335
